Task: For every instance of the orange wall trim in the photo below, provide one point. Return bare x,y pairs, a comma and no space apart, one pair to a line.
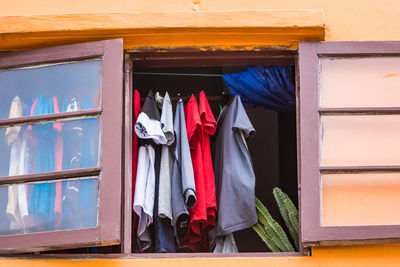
366,256
216,29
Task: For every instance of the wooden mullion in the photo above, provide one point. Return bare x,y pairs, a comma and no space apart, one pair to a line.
50,117
47,176
360,111
359,169
126,242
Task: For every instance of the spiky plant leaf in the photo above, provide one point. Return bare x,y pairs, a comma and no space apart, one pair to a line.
272,228
267,240
294,221
287,207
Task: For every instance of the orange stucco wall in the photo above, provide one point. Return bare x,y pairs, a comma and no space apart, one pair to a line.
345,20
365,256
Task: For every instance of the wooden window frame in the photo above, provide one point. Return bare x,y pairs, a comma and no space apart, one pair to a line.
312,233
172,58
109,170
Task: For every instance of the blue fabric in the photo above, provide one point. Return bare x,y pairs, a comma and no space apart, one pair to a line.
269,87
43,195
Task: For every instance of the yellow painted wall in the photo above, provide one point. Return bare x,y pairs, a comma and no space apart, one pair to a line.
346,20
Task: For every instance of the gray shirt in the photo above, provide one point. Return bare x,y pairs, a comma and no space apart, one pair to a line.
234,175
183,188
164,195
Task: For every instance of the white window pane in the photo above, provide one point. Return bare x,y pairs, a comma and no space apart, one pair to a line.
360,82
49,206
48,147
360,140
360,199
70,86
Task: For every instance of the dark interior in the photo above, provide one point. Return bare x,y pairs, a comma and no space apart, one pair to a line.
273,148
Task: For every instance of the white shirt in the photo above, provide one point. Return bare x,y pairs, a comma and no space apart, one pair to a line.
143,203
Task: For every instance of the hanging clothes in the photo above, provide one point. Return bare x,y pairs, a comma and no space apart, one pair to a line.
31,143
43,195
147,126
136,111
226,244
164,240
198,214
17,203
143,203
164,233
80,196
182,185
209,126
58,155
234,174
167,124
269,87
72,159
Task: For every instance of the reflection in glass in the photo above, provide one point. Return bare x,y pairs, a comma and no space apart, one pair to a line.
50,88
358,82
48,147
49,206
360,199
360,140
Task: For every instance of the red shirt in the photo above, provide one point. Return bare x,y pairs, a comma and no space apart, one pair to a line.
198,214
136,111
209,126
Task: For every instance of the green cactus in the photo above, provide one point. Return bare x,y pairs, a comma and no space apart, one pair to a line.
268,229
260,231
289,214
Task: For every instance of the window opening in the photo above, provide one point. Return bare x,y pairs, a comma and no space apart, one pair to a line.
273,148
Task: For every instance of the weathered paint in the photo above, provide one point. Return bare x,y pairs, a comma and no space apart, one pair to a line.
366,256
222,29
355,20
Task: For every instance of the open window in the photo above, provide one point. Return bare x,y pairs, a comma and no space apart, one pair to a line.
60,147
64,154
349,128
273,148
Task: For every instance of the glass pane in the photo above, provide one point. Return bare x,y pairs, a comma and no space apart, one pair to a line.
360,82
360,140
360,199
50,89
47,147
49,206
